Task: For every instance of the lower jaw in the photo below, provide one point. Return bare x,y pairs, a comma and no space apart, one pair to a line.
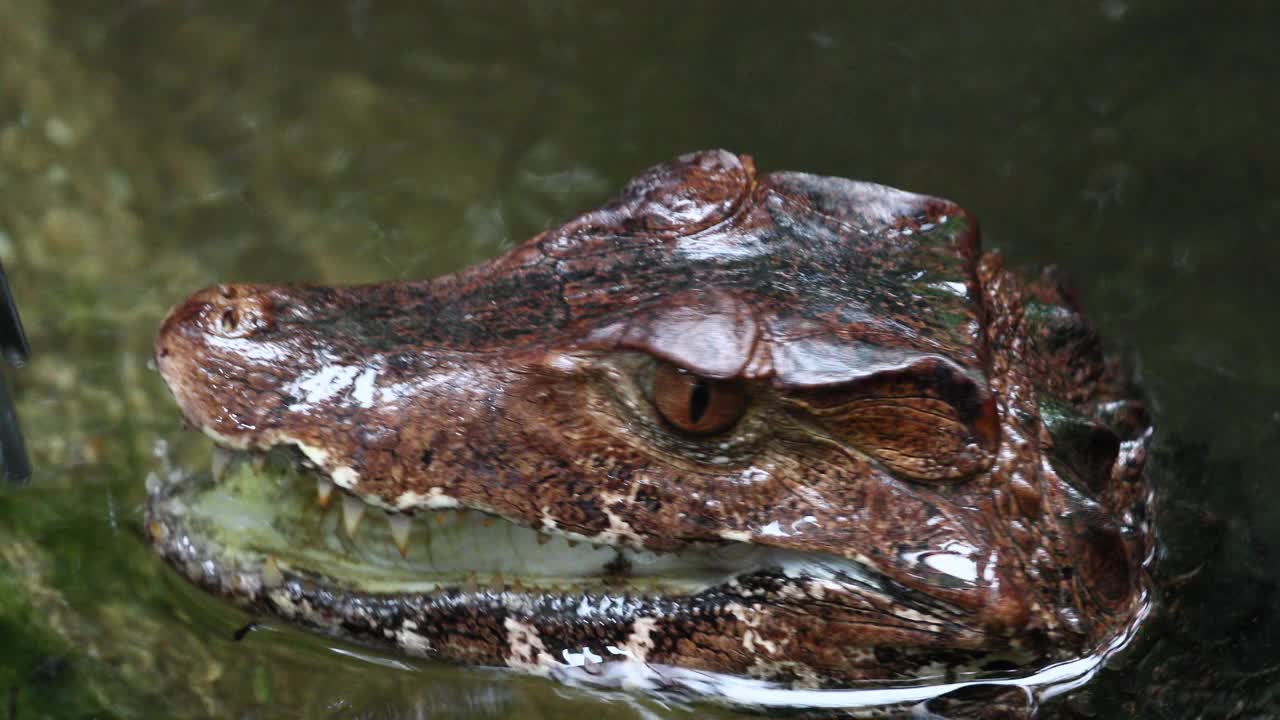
618,646
474,589
593,636
454,595
234,539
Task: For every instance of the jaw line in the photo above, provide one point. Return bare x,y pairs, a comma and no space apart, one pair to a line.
402,616
174,509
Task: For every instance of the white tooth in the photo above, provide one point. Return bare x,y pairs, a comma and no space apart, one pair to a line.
258,461
218,465
400,525
324,489
352,511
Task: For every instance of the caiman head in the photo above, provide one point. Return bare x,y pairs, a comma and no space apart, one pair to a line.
786,426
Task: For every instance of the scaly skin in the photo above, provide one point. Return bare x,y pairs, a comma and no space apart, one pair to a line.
913,408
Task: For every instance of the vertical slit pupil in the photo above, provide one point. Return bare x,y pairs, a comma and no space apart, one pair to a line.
699,400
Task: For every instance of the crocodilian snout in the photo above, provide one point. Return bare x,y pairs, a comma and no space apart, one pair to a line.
349,376
228,358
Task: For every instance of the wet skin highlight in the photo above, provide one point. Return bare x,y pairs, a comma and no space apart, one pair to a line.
783,426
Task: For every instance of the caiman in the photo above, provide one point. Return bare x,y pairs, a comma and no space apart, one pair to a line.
784,427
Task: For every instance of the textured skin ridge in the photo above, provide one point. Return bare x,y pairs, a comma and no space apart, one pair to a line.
916,410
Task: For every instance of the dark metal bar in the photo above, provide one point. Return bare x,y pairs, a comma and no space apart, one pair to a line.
14,349
13,339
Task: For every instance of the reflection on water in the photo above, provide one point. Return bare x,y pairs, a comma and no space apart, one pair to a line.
150,148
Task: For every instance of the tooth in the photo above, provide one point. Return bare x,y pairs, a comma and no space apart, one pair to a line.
543,538
499,581
400,525
324,489
218,466
597,546
572,543
470,585
258,461
441,518
352,512
517,586
487,522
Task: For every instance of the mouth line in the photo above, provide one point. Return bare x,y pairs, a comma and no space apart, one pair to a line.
254,530
273,511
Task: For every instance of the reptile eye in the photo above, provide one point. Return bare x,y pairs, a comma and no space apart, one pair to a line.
694,404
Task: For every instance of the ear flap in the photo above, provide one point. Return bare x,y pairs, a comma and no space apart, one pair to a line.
927,420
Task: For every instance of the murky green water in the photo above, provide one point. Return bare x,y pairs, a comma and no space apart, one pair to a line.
150,148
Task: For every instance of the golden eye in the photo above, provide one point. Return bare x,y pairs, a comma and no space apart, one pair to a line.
694,404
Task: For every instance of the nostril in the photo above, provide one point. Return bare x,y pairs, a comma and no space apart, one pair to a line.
230,320
245,315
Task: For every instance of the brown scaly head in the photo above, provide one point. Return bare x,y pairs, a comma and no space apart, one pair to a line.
786,426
